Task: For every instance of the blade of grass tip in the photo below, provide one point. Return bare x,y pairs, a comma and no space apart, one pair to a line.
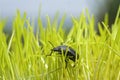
75,22
90,20
72,30
7,55
100,28
55,20
106,28
115,27
41,29
117,16
106,18
48,23
61,23
40,24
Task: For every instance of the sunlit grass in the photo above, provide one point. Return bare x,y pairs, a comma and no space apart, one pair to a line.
23,53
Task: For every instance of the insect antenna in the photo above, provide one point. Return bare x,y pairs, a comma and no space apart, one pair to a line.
51,44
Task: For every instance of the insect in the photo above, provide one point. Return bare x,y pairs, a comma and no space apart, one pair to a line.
67,51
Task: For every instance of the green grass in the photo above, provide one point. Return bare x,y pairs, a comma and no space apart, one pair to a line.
23,53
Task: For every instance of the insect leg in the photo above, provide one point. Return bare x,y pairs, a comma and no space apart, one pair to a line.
50,53
66,62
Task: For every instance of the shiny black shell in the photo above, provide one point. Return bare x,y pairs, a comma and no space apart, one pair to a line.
68,51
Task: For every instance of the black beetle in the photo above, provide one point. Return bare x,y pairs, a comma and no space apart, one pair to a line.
67,51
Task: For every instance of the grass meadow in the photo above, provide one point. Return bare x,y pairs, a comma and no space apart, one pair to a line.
23,52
